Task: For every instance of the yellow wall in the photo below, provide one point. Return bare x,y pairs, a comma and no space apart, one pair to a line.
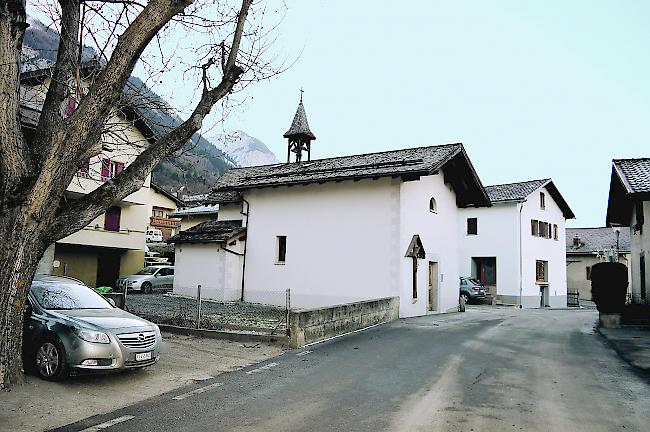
77,264
131,262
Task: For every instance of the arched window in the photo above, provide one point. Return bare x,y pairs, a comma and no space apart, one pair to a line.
433,207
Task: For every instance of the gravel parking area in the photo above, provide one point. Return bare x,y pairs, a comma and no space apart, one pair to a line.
181,311
40,405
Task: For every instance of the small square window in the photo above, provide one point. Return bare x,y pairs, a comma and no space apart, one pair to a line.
281,252
472,226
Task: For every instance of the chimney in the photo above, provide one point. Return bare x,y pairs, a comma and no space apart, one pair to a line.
576,242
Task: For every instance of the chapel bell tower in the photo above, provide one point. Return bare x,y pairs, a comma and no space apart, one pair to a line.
299,135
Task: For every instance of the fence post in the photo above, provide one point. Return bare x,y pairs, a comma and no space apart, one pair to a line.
198,307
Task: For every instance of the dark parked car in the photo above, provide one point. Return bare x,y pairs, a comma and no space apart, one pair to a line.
471,289
71,328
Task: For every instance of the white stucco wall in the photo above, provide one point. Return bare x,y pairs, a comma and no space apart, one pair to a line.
207,264
497,237
538,248
640,245
438,234
343,243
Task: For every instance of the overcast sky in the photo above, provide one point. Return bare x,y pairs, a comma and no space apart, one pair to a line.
533,89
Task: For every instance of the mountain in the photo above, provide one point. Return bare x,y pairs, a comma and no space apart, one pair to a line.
244,149
197,166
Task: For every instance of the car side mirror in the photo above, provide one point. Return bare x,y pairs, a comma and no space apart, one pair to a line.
111,301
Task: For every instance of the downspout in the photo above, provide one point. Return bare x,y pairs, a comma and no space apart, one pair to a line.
521,234
243,268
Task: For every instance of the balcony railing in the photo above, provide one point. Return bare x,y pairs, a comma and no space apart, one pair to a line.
164,222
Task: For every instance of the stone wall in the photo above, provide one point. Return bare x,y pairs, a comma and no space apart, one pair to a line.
313,325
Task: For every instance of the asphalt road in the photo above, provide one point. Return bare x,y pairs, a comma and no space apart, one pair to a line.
490,369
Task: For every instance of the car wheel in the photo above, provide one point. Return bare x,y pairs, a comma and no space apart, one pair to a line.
465,297
49,360
147,287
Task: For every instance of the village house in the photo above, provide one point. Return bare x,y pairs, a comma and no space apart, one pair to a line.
588,246
160,205
189,216
112,245
629,206
336,230
516,246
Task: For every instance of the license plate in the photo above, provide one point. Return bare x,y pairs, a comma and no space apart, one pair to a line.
143,356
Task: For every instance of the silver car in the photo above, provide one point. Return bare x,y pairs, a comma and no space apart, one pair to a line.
150,278
69,328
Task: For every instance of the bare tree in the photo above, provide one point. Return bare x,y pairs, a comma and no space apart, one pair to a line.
35,173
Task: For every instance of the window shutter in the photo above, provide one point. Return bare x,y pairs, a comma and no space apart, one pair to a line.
119,167
106,168
112,219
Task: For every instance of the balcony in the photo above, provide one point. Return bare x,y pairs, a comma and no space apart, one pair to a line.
164,222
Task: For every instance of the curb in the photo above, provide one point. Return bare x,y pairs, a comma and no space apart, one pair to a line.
226,335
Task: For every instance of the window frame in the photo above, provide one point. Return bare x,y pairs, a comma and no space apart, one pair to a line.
470,221
433,205
280,249
544,272
542,200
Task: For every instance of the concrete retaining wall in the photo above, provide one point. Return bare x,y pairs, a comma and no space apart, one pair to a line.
313,325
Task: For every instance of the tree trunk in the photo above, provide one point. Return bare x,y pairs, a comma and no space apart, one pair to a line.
22,248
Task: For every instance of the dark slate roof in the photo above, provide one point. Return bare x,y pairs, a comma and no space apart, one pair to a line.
518,192
300,126
635,174
629,183
514,191
408,164
209,232
225,197
593,240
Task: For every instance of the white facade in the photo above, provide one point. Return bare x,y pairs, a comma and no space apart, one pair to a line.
211,266
345,242
640,254
504,232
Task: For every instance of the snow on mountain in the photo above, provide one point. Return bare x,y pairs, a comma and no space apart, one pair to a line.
244,149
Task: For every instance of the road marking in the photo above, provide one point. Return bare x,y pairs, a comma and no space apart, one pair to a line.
260,369
303,353
197,391
108,424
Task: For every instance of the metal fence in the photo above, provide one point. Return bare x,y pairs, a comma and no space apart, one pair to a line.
572,299
269,317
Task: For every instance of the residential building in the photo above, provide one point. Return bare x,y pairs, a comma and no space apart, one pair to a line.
113,244
190,216
629,206
336,230
588,246
516,246
161,204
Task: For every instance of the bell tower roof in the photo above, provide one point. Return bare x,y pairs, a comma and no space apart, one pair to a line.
300,126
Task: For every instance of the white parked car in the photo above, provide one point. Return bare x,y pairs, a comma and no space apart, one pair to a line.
150,278
153,235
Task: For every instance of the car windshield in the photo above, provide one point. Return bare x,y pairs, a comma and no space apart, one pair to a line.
147,271
474,281
66,295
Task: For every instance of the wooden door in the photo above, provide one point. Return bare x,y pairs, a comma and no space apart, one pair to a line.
433,286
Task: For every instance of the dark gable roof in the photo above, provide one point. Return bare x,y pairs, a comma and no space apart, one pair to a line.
629,182
596,239
209,232
408,164
517,192
224,197
514,191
